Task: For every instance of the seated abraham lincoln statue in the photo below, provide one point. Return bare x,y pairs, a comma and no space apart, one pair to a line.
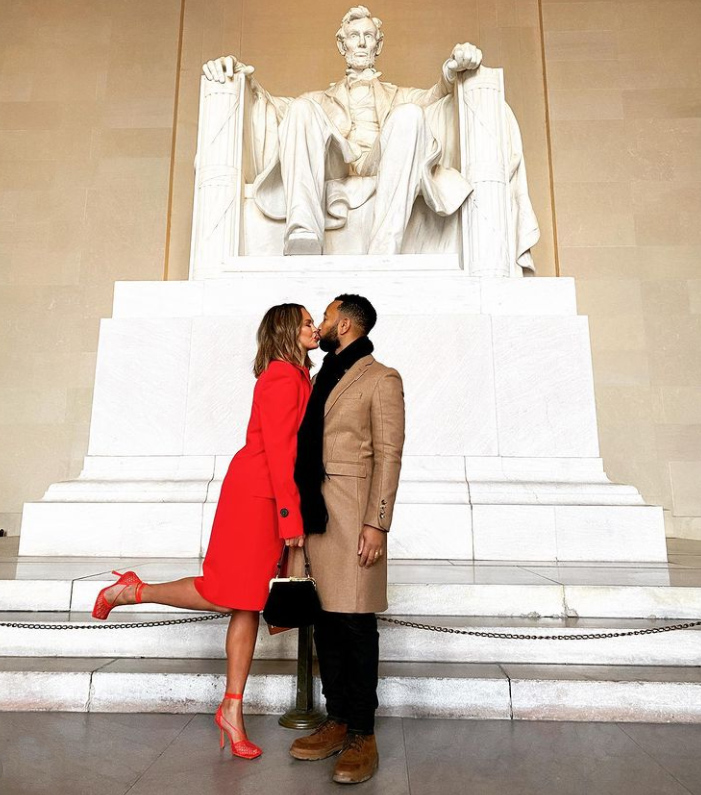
327,152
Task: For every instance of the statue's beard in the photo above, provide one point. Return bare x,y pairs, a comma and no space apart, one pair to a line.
360,60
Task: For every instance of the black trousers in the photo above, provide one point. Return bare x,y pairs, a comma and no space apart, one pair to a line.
348,650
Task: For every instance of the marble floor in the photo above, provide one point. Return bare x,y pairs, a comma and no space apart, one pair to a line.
115,754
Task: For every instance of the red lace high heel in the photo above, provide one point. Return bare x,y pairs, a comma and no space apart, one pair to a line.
102,607
243,748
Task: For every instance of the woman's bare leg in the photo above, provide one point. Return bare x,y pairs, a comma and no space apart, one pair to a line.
240,644
177,593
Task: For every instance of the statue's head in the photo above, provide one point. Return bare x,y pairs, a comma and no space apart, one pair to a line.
359,39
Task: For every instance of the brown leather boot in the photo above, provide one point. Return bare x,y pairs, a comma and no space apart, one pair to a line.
358,760
322,743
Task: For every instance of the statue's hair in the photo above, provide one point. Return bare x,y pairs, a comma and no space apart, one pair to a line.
359,12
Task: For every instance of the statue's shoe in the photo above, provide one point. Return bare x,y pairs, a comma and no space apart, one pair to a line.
300,243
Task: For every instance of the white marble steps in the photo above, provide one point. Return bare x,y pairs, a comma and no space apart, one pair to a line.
440,690
416,588
205,640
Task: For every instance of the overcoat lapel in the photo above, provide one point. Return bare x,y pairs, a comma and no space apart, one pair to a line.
356,372
339,96
384,97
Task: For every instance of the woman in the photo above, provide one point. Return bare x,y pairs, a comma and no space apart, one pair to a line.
258,506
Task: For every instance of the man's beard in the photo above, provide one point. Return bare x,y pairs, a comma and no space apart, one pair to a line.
330,342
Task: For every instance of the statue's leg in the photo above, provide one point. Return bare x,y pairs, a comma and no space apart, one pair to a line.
304,135
403,144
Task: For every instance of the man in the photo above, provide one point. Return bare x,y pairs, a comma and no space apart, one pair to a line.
359,127
348,462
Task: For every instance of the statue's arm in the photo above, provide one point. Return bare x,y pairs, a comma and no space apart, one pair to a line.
464,57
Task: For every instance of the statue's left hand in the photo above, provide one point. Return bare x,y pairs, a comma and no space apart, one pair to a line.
464,57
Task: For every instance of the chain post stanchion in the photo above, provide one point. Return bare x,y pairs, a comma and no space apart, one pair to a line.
303,715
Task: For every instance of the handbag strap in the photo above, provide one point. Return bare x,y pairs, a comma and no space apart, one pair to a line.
283,555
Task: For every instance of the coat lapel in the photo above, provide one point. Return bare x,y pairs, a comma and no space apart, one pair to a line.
339,96
357,371
384,97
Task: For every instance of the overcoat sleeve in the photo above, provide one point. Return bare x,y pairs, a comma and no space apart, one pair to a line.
279,396
387,421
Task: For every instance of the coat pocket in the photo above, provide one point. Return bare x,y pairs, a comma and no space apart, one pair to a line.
348,468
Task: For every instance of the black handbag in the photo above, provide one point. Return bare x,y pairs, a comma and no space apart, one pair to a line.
292,601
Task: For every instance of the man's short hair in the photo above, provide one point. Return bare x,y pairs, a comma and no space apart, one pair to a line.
358,12
359,310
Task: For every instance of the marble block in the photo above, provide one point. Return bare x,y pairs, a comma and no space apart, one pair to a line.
586,700
503,532
141,387
484,695
544,387
501,457
448,386
125,529
45,691
35,594
393,287
431,531
624,533
220,384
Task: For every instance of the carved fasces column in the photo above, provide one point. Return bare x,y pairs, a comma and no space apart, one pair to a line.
216,219
487,228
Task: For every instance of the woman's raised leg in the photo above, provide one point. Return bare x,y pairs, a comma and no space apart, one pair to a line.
177,593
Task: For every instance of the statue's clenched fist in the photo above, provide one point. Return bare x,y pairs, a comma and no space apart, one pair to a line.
222,69
463,58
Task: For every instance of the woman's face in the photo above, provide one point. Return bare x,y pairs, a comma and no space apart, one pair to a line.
309,333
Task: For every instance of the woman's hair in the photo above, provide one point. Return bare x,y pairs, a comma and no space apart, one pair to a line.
278,338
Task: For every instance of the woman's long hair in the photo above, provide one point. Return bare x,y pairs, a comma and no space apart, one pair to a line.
278,338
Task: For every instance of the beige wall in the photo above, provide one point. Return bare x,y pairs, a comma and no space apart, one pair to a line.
98,115
624,87
86,120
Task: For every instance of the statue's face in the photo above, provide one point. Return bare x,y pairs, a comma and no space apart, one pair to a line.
361,43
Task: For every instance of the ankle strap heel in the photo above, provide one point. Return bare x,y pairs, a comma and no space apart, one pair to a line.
236,696
138,591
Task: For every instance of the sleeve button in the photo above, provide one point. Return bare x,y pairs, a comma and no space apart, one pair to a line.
284,513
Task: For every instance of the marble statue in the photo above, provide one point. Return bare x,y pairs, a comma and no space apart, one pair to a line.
325,153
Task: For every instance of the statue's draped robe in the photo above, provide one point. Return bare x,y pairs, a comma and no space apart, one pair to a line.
443,188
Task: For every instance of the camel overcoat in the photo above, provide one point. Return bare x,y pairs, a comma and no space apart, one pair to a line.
363,441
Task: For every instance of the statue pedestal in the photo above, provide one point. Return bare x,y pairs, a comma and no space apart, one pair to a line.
501,458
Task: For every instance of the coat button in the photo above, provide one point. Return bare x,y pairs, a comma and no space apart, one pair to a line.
284,513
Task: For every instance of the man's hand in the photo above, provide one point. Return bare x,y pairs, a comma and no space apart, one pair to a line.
222,69
464,57
297,541
371,546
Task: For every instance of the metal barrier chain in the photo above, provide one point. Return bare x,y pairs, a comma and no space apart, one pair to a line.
412,624
517,636
134,625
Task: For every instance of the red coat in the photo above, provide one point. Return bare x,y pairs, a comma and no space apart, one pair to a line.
259,501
